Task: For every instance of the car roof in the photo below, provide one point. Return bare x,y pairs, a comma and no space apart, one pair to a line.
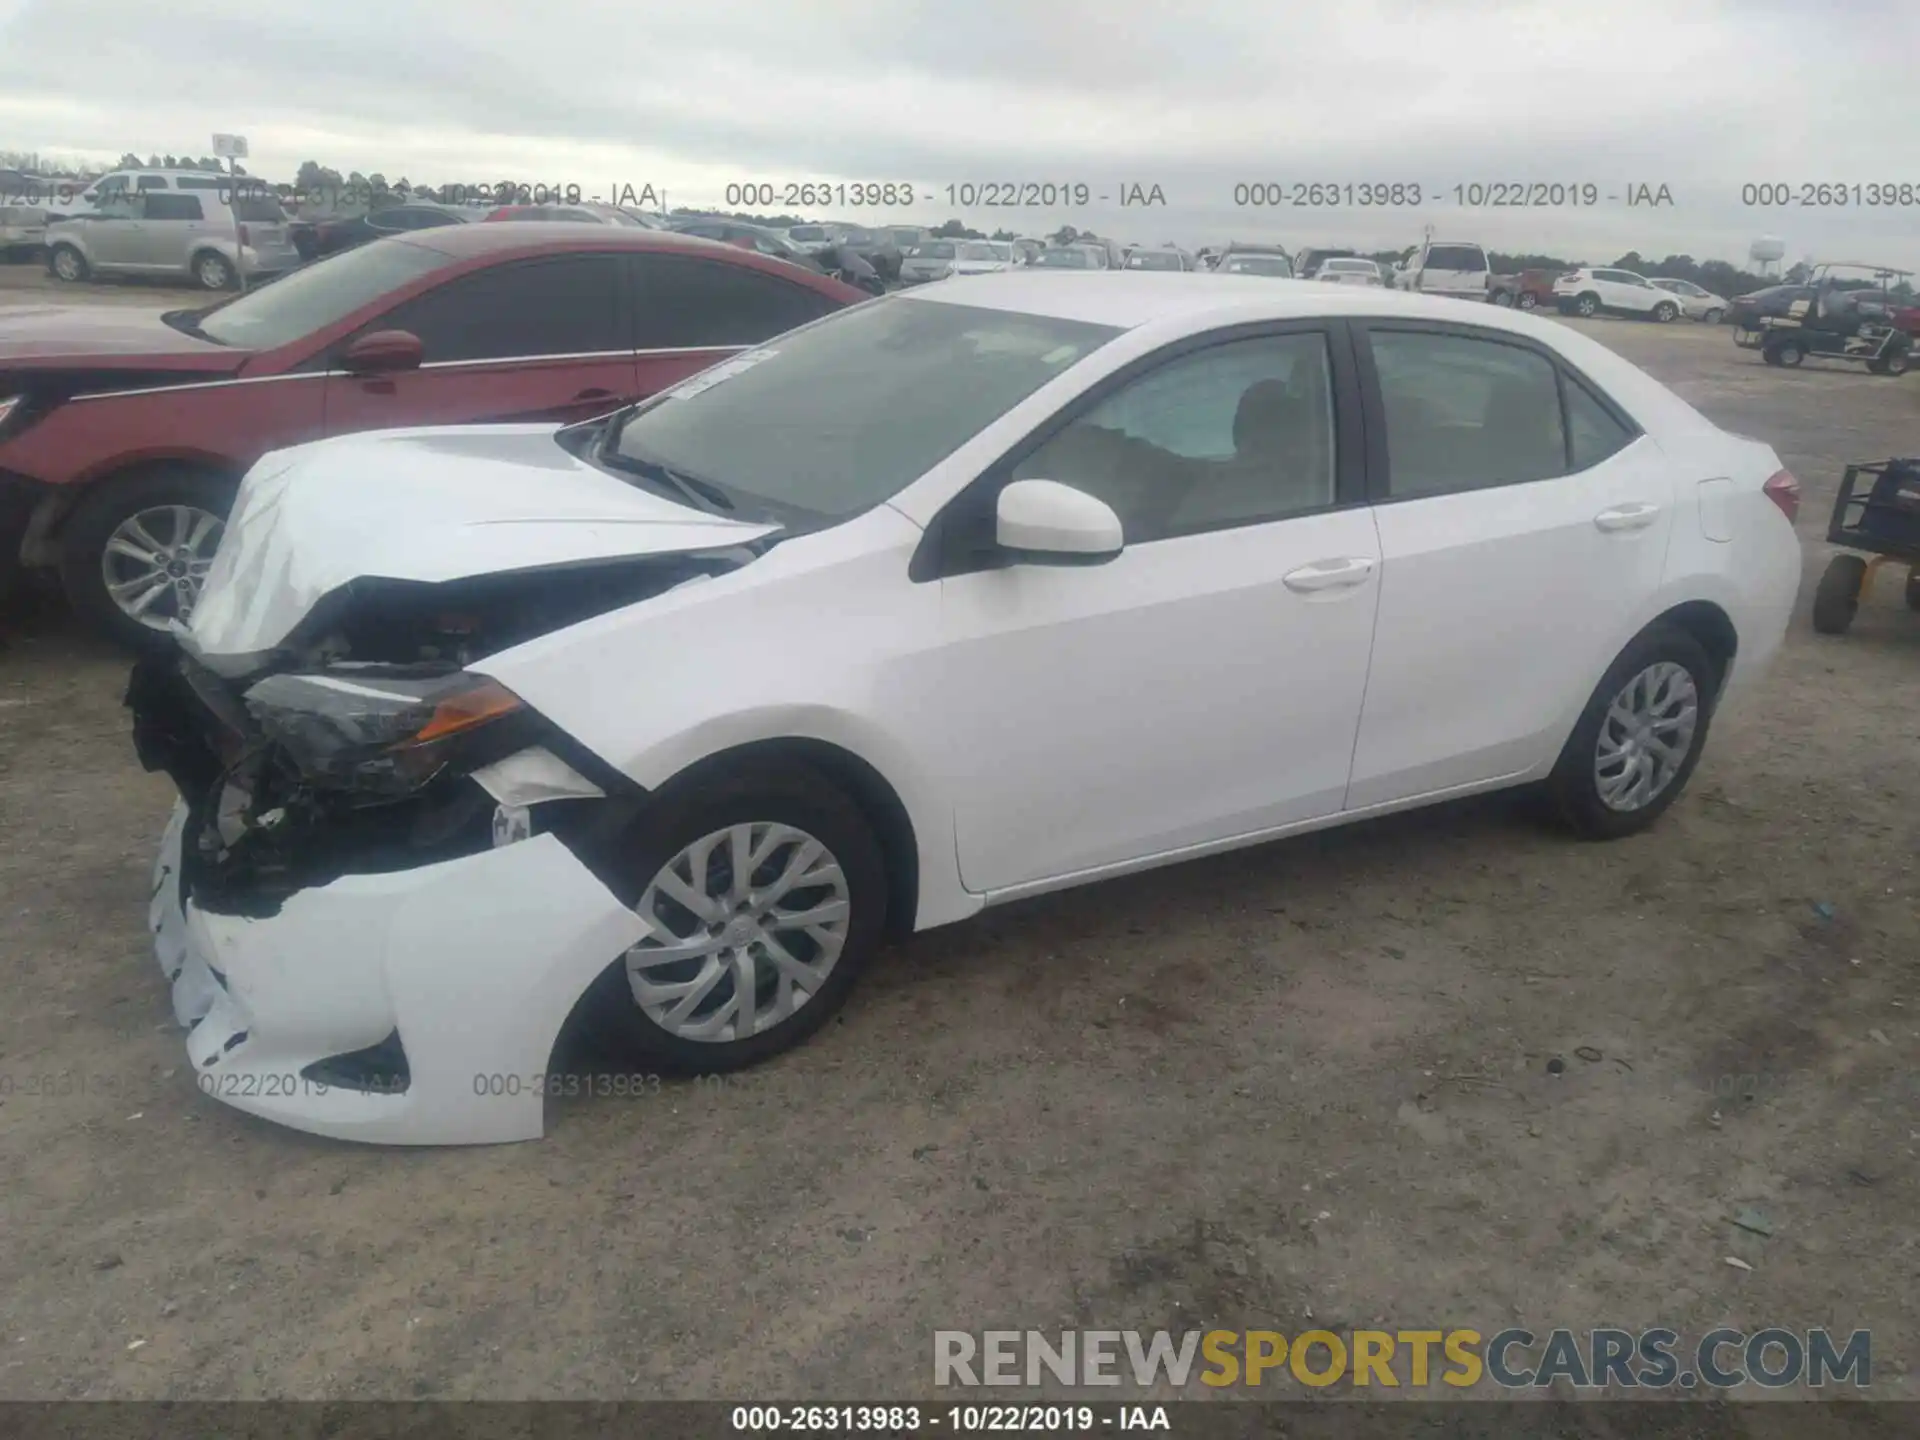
462,241
1111,297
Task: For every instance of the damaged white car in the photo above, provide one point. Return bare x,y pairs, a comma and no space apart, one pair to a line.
657,725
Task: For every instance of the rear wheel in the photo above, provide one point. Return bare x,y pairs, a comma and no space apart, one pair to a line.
1637,742
766,896
1526,300
1896,363
68,264
213,271
1587,305
1665,311
1503,298
1836,599
136,550
1789,354
1712,317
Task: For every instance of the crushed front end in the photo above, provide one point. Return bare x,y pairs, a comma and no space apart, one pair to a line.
377,898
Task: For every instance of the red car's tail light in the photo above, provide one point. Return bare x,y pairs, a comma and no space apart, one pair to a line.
1784,491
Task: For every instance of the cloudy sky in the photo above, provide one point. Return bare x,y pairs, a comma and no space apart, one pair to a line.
1701,96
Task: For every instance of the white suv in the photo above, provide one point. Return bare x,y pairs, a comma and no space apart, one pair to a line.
1592,290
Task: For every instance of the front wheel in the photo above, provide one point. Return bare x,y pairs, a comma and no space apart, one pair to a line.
136,551
1712,317
213,271
766,895
1790,354
1637,742
1836,599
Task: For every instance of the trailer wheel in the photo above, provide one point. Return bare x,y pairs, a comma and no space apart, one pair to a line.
1836,599
1896,363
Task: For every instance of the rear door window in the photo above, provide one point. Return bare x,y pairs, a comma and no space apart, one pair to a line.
174,207
683,302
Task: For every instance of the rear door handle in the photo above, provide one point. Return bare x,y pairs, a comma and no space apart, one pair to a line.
1627,517
1329,574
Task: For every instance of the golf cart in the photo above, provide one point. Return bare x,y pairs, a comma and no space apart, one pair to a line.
1877,510
1835,322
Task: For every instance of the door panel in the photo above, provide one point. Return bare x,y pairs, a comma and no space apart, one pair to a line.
1179,694
563,391
1502,604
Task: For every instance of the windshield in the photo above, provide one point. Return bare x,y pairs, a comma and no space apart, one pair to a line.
837,417
1256,265
1152,260
1064,259
808,234
934,250
316,295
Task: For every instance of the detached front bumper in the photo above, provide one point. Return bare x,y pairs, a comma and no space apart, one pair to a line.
445,986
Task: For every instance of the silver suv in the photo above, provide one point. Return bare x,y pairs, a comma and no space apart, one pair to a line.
211,235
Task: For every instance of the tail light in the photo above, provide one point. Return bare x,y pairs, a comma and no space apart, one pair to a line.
245,238
1784,491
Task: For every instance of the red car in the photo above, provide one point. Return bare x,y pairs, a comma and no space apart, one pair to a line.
123,434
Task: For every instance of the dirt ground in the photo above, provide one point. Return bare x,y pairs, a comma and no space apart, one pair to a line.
1308,1080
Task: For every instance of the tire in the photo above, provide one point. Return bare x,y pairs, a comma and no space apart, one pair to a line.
786,794
1587,306
112,504
1913,587
1771,354
1527,301
1896,363
213,271
1713,317
1503,298
1574,786
1836,599
1665,312
68,264
1790,354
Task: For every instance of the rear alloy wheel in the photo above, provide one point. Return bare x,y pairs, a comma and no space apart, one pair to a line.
213,271
136,551
1712,317
1527,301
1639,738
1836,599
1665,311
764,898
1588,305
68,264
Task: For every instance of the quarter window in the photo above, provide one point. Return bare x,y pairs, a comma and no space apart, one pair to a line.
1592,433
682,302
564,306
1236,434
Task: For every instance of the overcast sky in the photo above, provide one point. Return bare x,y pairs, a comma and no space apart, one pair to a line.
1701,96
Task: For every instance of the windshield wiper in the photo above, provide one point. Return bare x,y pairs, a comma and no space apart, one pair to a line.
701,494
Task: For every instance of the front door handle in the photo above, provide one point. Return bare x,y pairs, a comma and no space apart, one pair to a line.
594,394
1329,574
1627,517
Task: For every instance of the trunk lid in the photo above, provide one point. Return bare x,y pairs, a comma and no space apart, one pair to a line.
424,505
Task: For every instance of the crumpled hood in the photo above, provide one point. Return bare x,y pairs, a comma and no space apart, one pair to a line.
426,505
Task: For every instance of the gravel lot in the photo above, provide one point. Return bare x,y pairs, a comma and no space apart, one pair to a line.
1308,1079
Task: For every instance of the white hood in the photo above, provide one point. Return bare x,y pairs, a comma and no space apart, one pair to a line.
428,505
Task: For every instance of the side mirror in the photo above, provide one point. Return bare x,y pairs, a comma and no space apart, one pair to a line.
1049,523
382,351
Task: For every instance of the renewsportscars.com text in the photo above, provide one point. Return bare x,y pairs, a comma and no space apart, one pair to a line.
1457,1358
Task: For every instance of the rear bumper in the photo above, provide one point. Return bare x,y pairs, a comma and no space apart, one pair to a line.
467,969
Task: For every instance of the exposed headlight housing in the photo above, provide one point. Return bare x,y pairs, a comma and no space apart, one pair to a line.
387,735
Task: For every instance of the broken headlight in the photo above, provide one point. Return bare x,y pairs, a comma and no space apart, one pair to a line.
383,734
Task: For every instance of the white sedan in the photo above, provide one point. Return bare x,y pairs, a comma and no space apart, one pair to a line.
655,726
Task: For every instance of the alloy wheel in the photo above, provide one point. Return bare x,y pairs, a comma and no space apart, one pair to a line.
1646,736
156,560
746,925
